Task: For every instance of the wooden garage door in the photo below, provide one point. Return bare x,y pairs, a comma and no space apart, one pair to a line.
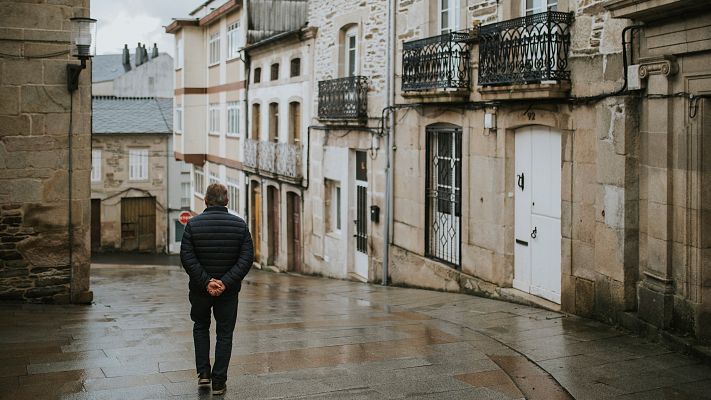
138,224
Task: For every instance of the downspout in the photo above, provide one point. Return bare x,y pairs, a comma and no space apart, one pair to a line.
167,193
390,83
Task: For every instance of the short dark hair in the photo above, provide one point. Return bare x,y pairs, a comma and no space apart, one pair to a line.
216,195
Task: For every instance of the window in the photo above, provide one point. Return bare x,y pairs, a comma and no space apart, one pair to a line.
257,75
233,118
137,164
232,194
539,6
213,178
185,195
337,209
274,72
199,180
333,206
274,122
178,119
179,53
294,122
214,45
351,51
295,67
256,120
444,193
233,40
96,165
214,117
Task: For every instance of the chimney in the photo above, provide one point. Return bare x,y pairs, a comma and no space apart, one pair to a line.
145,54
139,55
126,58
155,50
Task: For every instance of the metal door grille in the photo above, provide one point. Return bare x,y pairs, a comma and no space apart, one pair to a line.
361,218
443,194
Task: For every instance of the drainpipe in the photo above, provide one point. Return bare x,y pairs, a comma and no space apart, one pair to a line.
390,83
167,192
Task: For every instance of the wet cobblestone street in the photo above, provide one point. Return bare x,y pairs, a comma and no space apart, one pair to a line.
314,338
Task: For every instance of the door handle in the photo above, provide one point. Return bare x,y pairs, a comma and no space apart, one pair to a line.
522,242
521,181
534,233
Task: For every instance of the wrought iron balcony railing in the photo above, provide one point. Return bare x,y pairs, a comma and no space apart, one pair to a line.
343,98
282,159
529,49
438,62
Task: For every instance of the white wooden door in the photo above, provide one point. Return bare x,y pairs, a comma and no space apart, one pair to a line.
537,264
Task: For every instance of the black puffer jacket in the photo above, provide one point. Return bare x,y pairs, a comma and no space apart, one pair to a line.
216,244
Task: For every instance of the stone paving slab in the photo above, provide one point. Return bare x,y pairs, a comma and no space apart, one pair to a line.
312,338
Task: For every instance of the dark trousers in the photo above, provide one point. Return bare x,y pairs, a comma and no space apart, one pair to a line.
224,307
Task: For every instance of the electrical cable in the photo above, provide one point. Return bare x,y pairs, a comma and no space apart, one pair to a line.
48,55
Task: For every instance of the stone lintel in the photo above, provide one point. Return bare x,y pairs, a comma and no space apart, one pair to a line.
650,10
558,90
436,96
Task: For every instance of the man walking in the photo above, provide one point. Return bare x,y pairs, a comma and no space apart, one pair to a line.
216,252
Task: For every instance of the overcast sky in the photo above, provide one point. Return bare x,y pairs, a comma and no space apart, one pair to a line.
133,21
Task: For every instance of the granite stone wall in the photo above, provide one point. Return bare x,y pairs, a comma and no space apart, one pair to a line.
34,153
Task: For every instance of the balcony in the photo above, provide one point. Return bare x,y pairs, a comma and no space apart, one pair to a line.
343,99
438,63
274,160
528,55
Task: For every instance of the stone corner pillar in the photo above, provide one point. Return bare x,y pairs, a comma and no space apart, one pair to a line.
656,289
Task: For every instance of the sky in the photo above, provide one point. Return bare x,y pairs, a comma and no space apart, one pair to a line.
133,21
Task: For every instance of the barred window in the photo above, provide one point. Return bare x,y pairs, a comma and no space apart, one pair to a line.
295,67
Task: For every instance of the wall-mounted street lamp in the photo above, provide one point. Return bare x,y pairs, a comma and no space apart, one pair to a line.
83,31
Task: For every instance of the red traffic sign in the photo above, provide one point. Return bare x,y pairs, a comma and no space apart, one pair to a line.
184,217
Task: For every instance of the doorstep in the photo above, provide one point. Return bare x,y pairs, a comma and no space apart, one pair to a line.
521,297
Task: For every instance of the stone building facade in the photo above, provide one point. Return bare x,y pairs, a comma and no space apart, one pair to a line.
44,254
347,165
548,190
276,150
131,152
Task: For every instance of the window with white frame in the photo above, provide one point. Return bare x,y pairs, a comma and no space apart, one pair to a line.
178,119
199,180
138,164
333,207
214,118
539,6
213,178
232,194
233,118
185,195
233,40
448,16
214,46
96,165
179,53
351,51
